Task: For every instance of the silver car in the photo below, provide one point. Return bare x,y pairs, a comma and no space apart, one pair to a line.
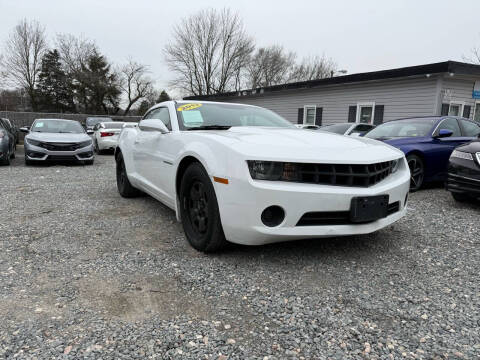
57,140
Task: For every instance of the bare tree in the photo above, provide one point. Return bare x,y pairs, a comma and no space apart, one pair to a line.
270,66
311,68
134,83
24,50
208,52
75,52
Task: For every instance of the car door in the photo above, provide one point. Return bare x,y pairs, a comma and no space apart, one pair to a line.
443,147
153,160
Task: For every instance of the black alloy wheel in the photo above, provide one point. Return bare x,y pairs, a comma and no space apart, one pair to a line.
417,172
199,210
197,205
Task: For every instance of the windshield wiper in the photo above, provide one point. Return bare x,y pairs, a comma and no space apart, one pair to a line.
210,127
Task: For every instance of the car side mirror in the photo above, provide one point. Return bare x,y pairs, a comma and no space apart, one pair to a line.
153,125
25,129
90,132
443,133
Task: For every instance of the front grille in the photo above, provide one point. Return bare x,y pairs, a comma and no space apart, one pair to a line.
60,146
319,218
344,174
62,158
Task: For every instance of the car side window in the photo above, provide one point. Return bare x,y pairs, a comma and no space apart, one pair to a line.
160,114
150,115
450,124
164,115
470,129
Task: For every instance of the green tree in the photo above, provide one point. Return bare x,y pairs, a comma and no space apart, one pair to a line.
97,86
163,97
54,90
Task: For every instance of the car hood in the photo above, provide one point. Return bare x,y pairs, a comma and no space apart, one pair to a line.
58,138
471,147
291,144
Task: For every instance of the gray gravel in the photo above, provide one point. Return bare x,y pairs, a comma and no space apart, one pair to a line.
87,274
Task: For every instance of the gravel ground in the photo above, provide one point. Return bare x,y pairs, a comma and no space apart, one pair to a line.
85,273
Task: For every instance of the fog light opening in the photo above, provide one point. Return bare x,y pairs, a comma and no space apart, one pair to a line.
273,216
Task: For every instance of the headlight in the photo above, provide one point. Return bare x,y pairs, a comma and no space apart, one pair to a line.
272,170
34,142
461,155
85,143
395,165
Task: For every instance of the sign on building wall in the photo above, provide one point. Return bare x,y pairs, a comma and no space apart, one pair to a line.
476,90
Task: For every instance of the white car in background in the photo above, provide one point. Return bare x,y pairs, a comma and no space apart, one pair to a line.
105,135
244,174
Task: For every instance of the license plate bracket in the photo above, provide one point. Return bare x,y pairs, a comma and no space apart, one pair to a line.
368,208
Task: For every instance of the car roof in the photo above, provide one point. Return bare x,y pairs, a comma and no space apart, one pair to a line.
175,102
47,119
430,118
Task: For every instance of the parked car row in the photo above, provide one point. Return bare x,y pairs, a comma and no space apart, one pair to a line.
59,140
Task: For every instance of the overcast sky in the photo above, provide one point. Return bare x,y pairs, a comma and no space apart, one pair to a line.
360,36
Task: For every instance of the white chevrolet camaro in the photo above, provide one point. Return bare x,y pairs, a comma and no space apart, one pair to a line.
244,174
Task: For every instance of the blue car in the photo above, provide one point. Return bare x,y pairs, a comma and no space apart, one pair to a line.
427,143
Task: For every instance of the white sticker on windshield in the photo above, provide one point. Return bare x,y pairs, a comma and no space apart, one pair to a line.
39,124
192,117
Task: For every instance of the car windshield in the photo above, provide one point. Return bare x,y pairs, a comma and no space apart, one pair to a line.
201,115
336,128
57,126
114,125
92,121
402,128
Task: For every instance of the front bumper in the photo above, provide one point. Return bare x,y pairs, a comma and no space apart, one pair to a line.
242,202
36,153
463,176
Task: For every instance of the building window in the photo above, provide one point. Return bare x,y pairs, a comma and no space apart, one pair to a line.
309,114
455,109
476,114
365,113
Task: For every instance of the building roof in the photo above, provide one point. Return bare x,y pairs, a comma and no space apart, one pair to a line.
453,67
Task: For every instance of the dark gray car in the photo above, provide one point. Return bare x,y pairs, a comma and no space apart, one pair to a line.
7,142
57,140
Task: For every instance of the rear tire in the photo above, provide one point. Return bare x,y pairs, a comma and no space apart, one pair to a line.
199,210
460,197
417,172
124,186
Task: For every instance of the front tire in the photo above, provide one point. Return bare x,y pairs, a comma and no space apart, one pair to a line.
199,210
417,172
124,186
28,162
88,162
